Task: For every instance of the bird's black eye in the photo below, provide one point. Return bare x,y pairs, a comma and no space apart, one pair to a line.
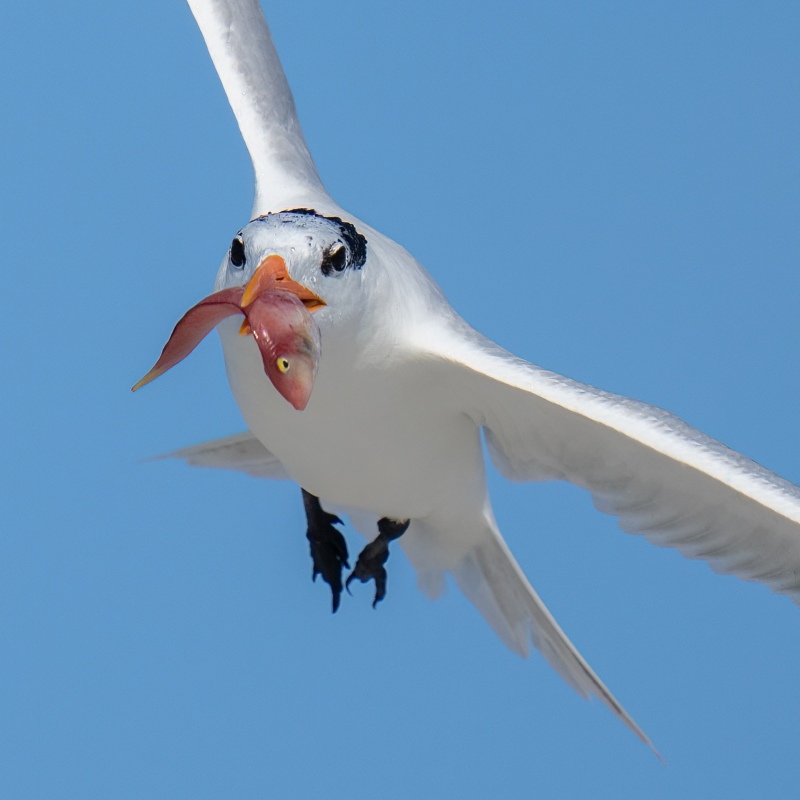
335,260
237,253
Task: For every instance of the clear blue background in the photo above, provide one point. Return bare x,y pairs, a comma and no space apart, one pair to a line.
630,170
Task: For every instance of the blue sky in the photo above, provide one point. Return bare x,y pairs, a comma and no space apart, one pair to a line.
631,168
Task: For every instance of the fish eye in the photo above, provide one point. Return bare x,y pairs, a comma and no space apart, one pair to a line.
237,253
334,260
283,364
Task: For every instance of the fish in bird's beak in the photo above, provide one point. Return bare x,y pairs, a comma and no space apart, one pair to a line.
289,341
277,315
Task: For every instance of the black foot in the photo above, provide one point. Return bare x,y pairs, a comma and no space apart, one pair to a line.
328,547
374,555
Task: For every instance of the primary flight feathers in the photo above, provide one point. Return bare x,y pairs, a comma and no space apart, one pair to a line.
240,46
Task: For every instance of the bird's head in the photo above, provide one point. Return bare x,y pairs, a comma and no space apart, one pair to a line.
316,258
278,271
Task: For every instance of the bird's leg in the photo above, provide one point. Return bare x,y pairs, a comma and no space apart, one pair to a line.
374,555
328,547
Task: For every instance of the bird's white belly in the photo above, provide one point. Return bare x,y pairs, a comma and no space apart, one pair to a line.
377,438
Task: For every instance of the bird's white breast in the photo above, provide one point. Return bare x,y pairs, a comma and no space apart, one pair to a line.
378,436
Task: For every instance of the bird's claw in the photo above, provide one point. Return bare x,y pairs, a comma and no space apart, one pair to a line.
374,555
370,566
329,554
328,549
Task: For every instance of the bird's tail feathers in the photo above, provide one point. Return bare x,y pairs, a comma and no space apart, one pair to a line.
492,580
488,574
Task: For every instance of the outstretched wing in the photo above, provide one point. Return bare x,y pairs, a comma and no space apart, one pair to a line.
660,476
241,48
242,452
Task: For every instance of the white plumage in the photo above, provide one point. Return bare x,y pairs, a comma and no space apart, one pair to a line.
405,388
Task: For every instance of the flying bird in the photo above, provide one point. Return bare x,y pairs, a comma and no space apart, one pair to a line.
398,389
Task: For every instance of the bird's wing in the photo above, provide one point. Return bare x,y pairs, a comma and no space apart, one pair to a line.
242,452
241,48
660,476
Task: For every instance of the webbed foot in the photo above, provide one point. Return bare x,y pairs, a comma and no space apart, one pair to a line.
374,555
327,545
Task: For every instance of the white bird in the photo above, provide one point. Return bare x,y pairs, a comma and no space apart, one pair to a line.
392,431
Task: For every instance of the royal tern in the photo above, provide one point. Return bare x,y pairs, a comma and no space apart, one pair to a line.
391,433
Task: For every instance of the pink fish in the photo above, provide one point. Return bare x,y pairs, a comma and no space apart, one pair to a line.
282,326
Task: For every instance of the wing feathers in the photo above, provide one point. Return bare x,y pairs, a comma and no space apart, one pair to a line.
241,48
242,452
660,476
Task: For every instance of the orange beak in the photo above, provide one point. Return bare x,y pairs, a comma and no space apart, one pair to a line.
271,275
